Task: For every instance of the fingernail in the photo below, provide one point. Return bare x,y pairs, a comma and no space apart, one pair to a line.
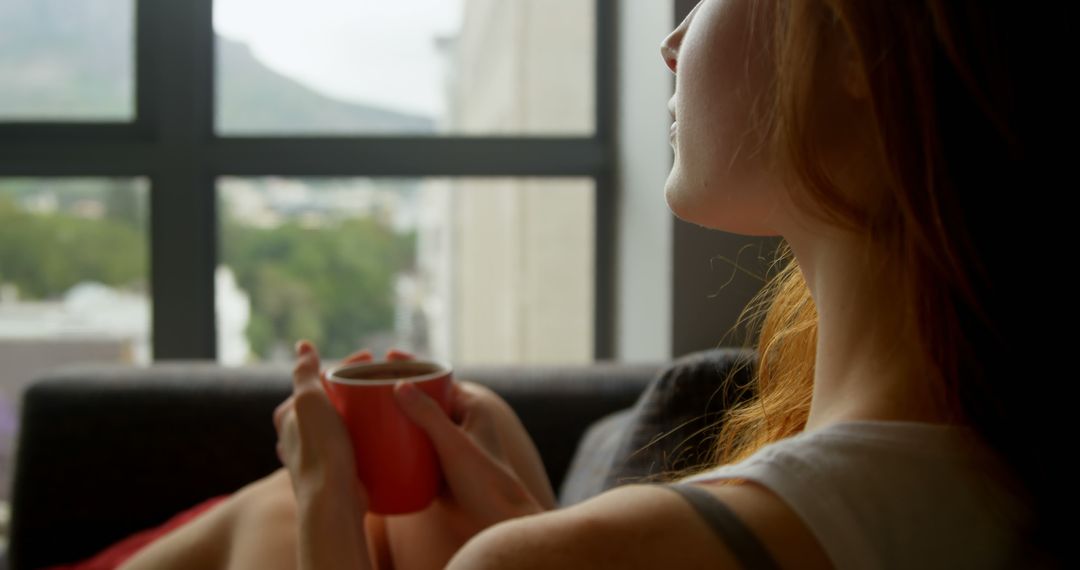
299,348
409,391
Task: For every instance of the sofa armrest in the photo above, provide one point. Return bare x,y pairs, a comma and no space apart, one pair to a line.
105,451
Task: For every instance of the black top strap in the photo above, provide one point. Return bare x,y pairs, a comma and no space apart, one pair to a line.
746,547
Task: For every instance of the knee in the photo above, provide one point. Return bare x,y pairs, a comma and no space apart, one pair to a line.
268,500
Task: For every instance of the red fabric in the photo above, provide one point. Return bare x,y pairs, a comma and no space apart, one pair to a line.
118,553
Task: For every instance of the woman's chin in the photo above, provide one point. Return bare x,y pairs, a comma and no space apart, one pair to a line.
673,203
685,211
730,221
683,203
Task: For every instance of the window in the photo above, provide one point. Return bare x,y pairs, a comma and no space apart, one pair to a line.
419,68
153,131
461,269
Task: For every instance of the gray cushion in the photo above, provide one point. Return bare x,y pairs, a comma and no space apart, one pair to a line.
672,426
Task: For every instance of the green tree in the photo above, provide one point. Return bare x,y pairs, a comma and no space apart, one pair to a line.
333,285
45,255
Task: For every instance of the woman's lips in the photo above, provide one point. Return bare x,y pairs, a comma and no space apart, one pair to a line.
674,129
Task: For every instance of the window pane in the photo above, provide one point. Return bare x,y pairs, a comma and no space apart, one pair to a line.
73,281
422,67
65,60
490,270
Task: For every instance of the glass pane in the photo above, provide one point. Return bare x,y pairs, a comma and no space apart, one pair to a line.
73,281
65,60
422,67
489,270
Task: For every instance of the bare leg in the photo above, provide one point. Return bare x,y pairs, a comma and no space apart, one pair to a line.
264,534
254,528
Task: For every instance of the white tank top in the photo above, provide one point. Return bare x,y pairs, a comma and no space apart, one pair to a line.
891,494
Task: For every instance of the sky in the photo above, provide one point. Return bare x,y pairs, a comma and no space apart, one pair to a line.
378,52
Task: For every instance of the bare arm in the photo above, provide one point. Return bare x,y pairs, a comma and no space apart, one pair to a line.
629,527
640,526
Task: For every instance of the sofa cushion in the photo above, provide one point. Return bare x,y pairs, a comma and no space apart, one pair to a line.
672,427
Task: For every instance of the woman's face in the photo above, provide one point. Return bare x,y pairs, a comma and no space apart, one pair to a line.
722,176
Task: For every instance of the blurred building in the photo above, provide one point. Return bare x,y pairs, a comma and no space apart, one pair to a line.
509,263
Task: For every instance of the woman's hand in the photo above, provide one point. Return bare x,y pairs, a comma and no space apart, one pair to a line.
491,466
315,448
483,485
492,469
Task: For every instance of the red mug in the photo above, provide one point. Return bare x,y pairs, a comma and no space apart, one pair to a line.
395,459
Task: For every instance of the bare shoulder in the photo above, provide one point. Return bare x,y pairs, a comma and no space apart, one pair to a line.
642,526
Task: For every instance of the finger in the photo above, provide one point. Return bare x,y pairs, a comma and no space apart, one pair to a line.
280,411
475,477
455,446
362,355
285,423
394,355
288,440
303,346
449,440
464,397
306,371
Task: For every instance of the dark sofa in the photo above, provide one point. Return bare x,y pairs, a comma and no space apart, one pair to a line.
105,451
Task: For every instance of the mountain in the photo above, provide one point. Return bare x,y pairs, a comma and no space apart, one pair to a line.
66,60
253,99
72,60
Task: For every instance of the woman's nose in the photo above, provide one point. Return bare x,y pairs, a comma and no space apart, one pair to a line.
669,49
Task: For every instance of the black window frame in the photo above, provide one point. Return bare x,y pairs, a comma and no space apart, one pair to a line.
172,141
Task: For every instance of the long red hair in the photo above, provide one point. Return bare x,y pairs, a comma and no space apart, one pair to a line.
948,85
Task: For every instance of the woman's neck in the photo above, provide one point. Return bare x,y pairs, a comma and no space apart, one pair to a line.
865,358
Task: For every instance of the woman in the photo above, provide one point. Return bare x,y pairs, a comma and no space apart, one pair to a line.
887,429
